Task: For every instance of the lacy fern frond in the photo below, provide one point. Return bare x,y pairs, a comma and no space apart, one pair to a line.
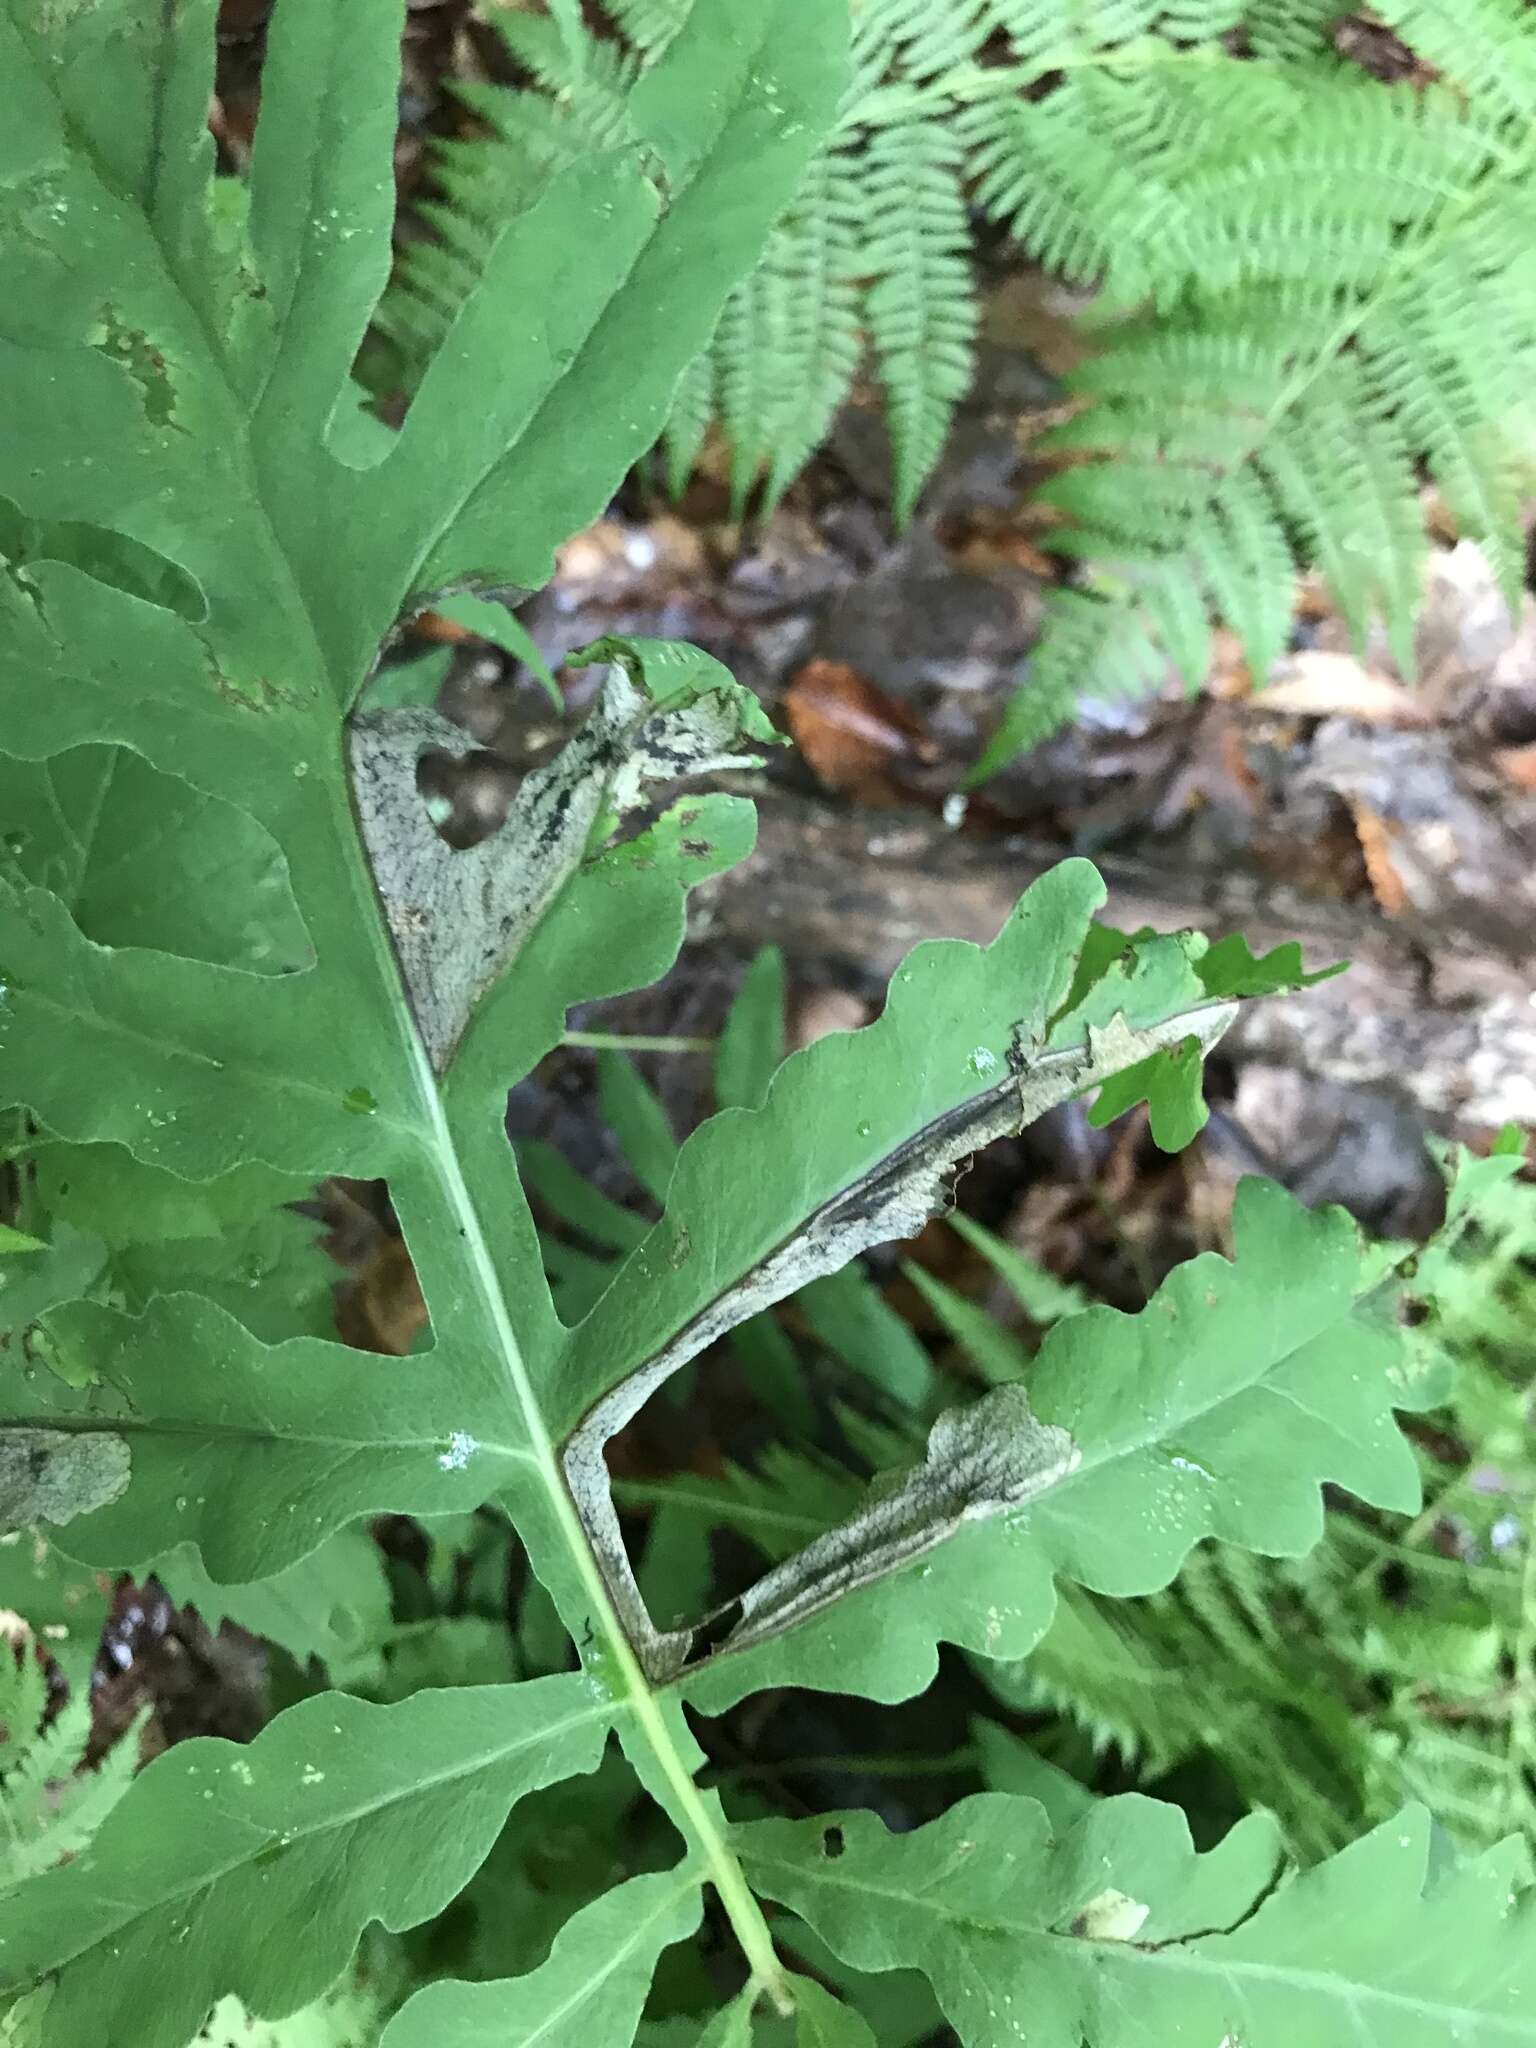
1314,297
50,1803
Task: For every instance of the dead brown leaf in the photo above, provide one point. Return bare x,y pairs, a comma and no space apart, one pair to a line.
382,1309
1230,677
854,736
443,632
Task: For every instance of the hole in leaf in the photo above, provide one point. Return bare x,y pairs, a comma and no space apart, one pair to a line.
379,1305
714,1630
467,798
832,1843
106,557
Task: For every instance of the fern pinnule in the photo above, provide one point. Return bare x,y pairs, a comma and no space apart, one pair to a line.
811,261
650,24
934,40
743,355
589,79
1243,560
693,407
1290,30
787,346
1096,646
921,317
1044,34
1200,20
50,1805
1066,222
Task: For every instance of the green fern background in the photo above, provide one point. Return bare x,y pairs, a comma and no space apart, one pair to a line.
1314,287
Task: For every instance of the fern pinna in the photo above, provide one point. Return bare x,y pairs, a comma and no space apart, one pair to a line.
237,957
1313,285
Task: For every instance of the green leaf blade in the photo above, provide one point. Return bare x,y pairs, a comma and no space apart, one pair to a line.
261,1864
732,111
591,1988
1112,1932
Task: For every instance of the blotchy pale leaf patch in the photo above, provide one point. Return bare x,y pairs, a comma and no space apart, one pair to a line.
460,916
52,1475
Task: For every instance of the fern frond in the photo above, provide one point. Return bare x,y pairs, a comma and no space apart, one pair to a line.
1290,29
588,79
930,40
650,24
1351,298
1484,46
787,347
811,263
920,311
1090,646
693,407
1103,179
1344,471
1194,21
484,184
50,1805
743,355
1310,285
1044,34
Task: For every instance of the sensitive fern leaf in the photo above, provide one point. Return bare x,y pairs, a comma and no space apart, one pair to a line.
592,1987
215,542
1115,1932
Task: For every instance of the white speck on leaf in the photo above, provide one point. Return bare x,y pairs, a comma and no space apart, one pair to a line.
1505,1533
983,1061
461,1448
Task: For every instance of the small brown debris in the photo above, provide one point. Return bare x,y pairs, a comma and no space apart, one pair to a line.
1319,684
825,1010
1376,835
1518,766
